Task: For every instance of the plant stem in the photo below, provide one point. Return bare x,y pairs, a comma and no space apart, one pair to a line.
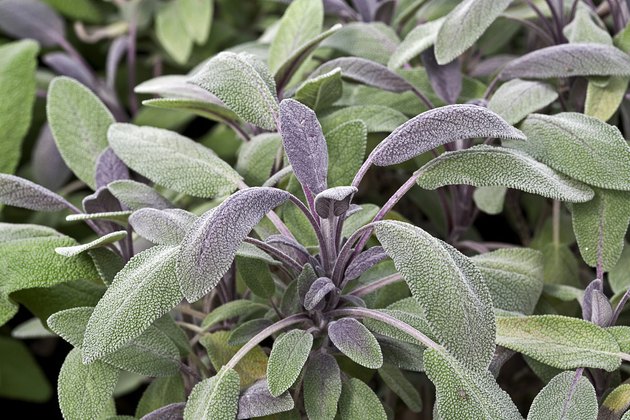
131,61
377,284
555,220
281,256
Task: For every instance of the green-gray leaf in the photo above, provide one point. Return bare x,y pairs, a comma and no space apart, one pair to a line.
257,157
449,287
346,151
137,195
560,341
288,355
357,342
490,200
358,401
553,403
401,386
374,41
206,109
170,31
79,122
377,118
233,309
322,386
197,18
518,98
322,91
71,251
215,398
161,392
22,378
173,160
421,38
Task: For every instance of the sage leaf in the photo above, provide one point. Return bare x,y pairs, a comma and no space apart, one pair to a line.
197,16
367,72
462,393
417,41
233,309
288,355
162,227
446,79
18,61
497,166
247,330
168,30
71,251
334,201
109,168
174,411
161,392
137,195
619,275
464,25
599,155
184,165
346,149
20,192
559,341
215,398
319,92
448,286
602,101
358,401
257,157
377,118
79,122
175,87
374,41
616,403
316,293
401,386
584,29
440,126
490,200
518,98
569,60
32,19
22,378
243,84
364,261
212,110
321,386
144,290
119,217
256,401
84,390
49,169
356,342
563,398
209,248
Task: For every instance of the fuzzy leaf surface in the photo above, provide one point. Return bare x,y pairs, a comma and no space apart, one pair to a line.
358,401
367,72
518,98
357,342
20,192
322,386
287,358
346,150
214,398
137,195
32,19
162,227
321,91
551,402
421,38
71,251
256,401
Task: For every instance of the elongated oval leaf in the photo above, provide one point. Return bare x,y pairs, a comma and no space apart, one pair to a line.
109,168
321,91
256,158
20,192
162,227
560,341
304,144
243,84
210,110
356,342
440,126
233,309
174,411
31,19
449,288
322,386
489,166
175,86
364,261
137,195
374,41
334,201
446,79
418,40
288,355
565,397
215,398
161,392
79,122
569,60
358,401
518,98
256,401
211,244
366,72
318,290
144,290
71,251
582,147
461,393
346,150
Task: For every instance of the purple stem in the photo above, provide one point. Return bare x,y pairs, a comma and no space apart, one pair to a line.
131,63
576,379
375,285
281,256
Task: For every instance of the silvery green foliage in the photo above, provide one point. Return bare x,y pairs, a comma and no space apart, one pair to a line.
20,192
417,41
320,91
287,358
518,98
137,195
256,401
355,341
373,41
566,396
358,401
71,251
367,72
401,386
233,309
322,386
214,398
162,227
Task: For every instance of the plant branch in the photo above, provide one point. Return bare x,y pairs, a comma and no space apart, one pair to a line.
377,284
281,256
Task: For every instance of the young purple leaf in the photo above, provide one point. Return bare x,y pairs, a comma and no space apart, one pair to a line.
357,342
66,65
210,246
334,201
367,9
322,386
364,261
49,169
304,282
440,126
595,305
304,144
20,192
366,72
446,79
31,19
257,401
162,227
101,201
109,168
318,290
137,195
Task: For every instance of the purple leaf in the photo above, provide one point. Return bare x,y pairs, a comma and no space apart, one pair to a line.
101,201
137,195
66,65
162,227
257,401
304,144
385,11
440,126
595,305
357,342
365,71
364,261
568,60
289,246
20,192
109,168
210,246
31,19
305,280
49,169
367,9
446,80
334,201
115,53
174,411
339,8
320,288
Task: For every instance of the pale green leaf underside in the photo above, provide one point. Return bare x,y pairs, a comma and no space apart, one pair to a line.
71,251
209,110
490,200
518,98
418,40
553,401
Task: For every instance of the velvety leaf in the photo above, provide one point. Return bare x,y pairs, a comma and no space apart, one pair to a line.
304,144
162,227
461,393
367,72
161,392
197,16
446,80
464,26
256,401
232,309
334,201
145,289
376,118
49,169
109,168
358,401
616,402
79,123
257,157
448,286
243,84
619,275
176,87
32,19
288,356
440,126
569,60
210,246
204,108
321,91
346,149
405,356
256,275
559,341
603,100
66,65
560,265
169,31
172,160
18,62
418,40
518,98
356,342
364,261
20,192
374,41
489,166
584,29
514,277
247,330
84,390
595,305
608,211
22,378
214,398
321,386
137,195
401,386
173,411
582,147
490,200
563,398
71,251
316,293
